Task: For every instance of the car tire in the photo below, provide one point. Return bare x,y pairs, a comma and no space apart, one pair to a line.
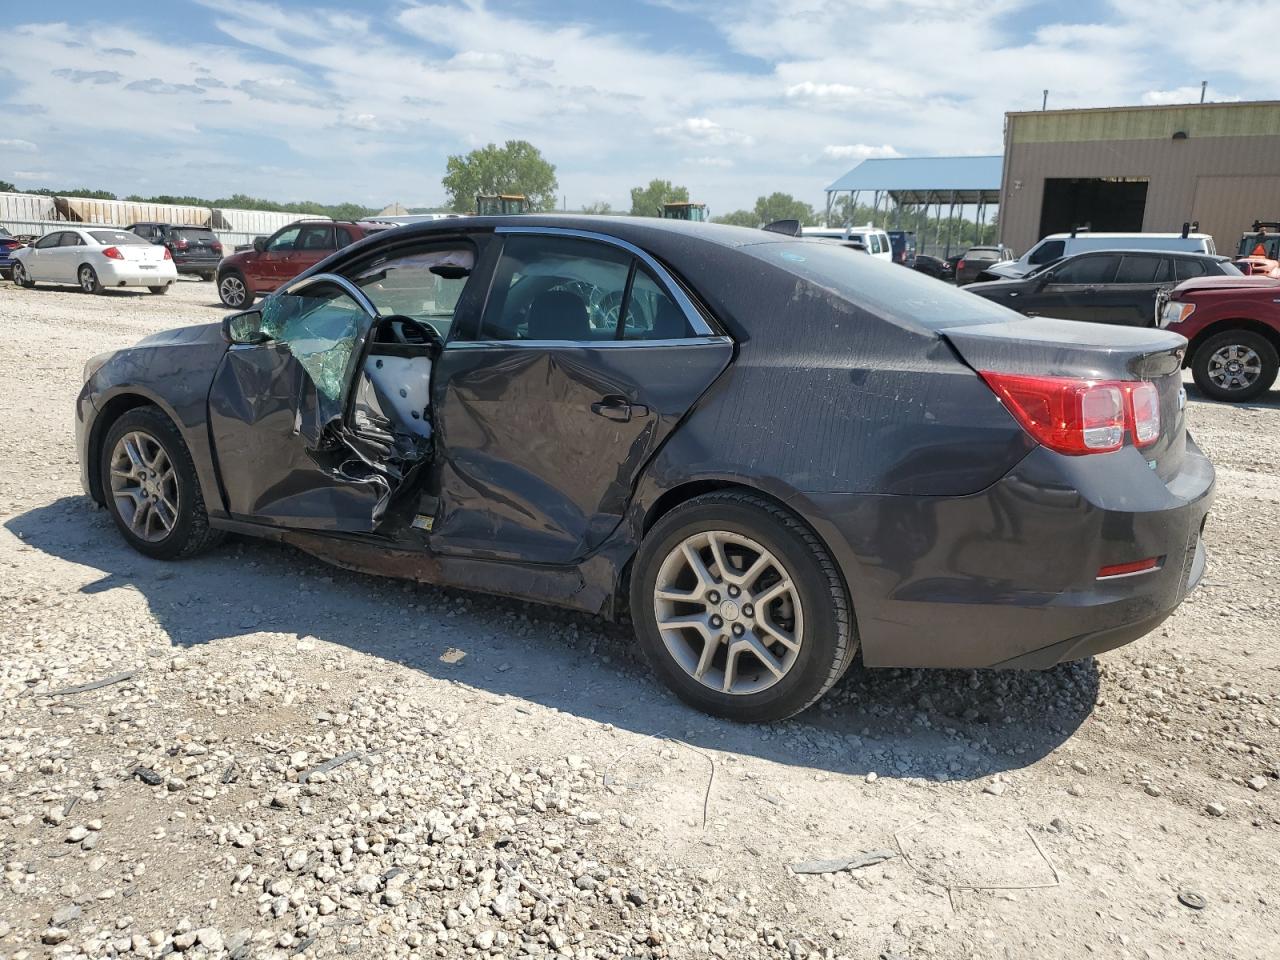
87,278
1236,365
160,290
20,277
806,602
152,492
234,292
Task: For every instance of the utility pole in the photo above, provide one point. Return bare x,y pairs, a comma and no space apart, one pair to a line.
1204,85
1044,104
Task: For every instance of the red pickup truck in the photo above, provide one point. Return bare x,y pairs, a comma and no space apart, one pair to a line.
279,258
1233,324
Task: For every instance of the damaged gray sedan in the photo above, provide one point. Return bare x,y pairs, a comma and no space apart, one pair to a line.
770,454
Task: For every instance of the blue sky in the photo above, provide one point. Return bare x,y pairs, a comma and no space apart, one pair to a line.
365,101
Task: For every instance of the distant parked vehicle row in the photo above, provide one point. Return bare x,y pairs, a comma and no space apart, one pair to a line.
95,259
1056,246
934,267
875,240
246,275
1114,286
195,250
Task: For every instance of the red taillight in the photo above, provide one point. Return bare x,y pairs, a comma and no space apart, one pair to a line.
217,248
1129,569
1070,416
167,254
959,264
113,253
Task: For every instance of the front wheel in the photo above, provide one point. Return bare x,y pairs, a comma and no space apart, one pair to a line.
234,292
20,277
740,609
88,278
150,485
159,291
1236,365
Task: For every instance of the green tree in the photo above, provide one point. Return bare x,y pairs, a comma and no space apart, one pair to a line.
516,167
602,209
739,218
648,201
783,206
7,187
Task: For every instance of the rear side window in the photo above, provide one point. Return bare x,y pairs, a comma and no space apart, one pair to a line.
556,288
651,314
316,237
191,235
75,240
1139,269
906,297
1087,270
1188,269
1048,251
113,238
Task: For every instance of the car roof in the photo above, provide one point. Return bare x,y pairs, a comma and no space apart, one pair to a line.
1090,234
1149,252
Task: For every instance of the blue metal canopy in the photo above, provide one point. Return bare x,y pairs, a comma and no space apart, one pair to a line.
917,180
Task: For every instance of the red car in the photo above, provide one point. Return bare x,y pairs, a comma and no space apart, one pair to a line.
277,259
1233,324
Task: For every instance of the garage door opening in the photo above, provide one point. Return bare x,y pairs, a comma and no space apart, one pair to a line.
1106,204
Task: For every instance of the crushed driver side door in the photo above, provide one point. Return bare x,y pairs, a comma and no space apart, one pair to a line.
279,414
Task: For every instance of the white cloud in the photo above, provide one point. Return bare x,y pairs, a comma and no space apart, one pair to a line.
1182,95
16,145
710,160
808,90
704,130
858,151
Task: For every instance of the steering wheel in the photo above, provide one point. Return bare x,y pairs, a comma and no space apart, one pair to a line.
408,331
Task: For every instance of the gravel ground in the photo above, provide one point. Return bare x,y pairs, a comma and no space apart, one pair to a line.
305,762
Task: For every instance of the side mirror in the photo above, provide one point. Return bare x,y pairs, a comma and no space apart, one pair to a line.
259,243
244,329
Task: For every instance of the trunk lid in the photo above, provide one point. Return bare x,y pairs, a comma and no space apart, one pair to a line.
1041,346
141,252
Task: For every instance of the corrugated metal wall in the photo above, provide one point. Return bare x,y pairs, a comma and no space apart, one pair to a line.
1245,164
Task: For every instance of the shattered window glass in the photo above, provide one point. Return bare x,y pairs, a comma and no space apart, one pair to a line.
320,327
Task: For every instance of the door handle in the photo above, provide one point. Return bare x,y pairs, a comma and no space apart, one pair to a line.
617,408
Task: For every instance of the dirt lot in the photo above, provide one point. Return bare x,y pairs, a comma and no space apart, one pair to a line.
513,783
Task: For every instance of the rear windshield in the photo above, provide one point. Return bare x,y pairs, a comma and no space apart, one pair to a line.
903,296
190,234
115,237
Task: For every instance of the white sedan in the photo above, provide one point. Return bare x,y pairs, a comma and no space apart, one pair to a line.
95,258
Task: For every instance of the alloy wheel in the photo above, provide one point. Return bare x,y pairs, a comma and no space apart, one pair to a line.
231,289
87,279
728,612
144,486
19,277
1234,367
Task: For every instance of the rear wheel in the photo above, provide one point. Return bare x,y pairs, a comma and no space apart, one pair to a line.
159,290
234,292
1236,365
150,485
20,277
739,608
88,279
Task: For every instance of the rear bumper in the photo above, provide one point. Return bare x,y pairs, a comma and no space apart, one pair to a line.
199,265
128,273
1008,577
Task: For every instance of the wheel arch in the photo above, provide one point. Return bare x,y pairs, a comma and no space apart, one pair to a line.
687,490
1226,325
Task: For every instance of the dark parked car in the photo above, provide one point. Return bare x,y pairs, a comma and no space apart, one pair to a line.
770,452
934,267
976,261
273,260
1233,324
8,244
195,250
1107,286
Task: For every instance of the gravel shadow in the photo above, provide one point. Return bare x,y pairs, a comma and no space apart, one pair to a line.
933,724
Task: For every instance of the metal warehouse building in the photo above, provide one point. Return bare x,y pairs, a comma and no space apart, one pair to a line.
1141,168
